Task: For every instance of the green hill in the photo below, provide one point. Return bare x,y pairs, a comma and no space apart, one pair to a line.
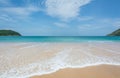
115,33
9,33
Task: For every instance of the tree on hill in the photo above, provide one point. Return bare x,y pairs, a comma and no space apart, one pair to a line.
115,33
9,33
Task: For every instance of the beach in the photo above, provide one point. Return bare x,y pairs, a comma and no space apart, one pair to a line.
100,71
59,59
59,38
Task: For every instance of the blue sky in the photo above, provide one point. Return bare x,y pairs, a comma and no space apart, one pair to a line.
60,17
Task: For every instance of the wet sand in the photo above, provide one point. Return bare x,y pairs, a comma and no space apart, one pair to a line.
24,60
101,71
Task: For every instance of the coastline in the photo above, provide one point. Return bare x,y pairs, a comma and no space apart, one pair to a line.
98,71
24,60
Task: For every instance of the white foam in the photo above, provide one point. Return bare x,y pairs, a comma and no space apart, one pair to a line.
65,58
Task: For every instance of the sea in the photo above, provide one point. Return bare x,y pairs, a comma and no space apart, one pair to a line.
58,39
26,56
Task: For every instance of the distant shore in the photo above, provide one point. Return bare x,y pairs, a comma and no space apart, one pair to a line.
101,71
9,33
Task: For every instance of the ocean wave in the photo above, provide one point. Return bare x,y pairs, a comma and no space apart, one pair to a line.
62,56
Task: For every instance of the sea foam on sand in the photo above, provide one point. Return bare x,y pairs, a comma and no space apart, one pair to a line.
21,60
99,71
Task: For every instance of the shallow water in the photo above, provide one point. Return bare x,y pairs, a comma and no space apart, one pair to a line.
21,60
60,39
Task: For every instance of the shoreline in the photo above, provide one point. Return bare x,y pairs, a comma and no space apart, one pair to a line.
95,71
25,60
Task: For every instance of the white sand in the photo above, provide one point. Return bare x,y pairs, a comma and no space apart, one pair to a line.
26,59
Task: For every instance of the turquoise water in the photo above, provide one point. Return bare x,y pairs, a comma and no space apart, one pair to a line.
58,39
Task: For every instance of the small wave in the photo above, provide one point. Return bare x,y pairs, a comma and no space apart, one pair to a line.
67,57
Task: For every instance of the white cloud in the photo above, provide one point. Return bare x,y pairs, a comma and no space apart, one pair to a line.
13,14
61,24
65,9
87,18
17,12
22,11
6,18
88,27
4,2
113,22
117,24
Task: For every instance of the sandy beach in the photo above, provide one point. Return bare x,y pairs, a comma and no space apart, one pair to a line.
101,71
76,60
59,38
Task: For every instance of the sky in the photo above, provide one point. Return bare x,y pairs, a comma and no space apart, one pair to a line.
60,17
